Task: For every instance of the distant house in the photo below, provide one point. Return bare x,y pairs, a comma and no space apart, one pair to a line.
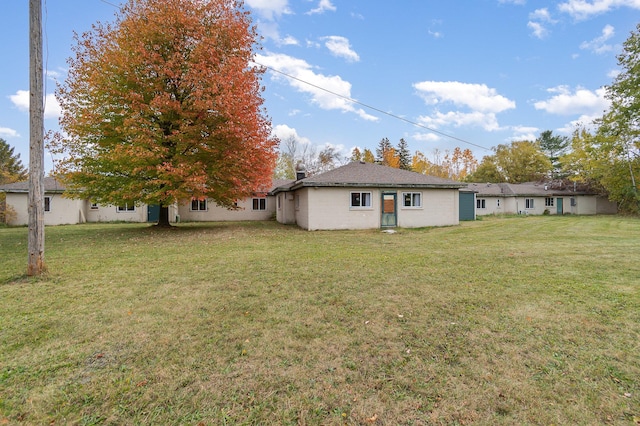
537,198
364,196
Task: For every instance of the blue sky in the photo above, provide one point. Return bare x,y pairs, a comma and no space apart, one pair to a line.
478,72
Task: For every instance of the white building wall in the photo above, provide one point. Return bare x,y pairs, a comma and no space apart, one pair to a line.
285,208
215,213
331,209
110,213
440,207
62,211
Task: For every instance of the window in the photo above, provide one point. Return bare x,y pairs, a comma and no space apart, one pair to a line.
412,199
127,207
498,203
47,204
94,206
573,202
360,199
528,203
259,203
548,202
481,203
198,205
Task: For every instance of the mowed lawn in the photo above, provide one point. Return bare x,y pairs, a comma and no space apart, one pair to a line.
527,320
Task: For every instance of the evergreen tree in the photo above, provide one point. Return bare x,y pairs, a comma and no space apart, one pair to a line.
404,156
11,168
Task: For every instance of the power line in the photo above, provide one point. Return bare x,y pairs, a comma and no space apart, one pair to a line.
372,107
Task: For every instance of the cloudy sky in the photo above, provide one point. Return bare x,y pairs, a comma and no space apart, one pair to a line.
440,74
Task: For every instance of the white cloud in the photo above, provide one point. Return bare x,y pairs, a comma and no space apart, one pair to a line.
582,101
340,47
598,45
426,137
585,120
538,30
270,9
485,120
524,133
52,108
484,103
584,9
613,74
541,15
538,18
328,92
8,133
477,97
284,132
323,6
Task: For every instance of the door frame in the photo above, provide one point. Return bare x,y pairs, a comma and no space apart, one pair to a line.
385,216
559,206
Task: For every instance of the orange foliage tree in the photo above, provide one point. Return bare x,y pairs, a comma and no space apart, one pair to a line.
165,105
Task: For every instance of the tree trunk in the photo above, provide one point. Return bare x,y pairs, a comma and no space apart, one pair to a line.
163,219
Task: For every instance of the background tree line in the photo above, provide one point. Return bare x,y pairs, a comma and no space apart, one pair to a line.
604,157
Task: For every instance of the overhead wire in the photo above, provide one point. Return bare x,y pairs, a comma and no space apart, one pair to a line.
355,101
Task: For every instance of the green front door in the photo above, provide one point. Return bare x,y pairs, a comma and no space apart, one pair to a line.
153,213
389,218
559,206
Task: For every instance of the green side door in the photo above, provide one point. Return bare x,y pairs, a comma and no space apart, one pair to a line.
559,206
389,217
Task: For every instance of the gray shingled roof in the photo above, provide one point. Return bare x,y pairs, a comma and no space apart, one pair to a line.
532,189
371,175
50,185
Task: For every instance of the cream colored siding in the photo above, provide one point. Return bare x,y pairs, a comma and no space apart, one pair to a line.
62,211
285,210
440,207
110,213
301,207
215,213
331,208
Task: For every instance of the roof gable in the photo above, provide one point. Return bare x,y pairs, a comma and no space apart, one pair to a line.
50,185
369,174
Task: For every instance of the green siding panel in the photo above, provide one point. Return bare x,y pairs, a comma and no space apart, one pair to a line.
467,206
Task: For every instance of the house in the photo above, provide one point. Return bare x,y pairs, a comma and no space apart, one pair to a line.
364,195
59,210
537,198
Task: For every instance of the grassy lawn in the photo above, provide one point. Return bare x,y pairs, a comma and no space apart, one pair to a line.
507,321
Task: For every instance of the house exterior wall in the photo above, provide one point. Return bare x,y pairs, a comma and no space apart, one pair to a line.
215,213
330,208
285,208
62,211
583,205
301,207
440,207
110,213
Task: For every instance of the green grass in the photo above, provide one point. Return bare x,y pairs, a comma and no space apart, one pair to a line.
507,321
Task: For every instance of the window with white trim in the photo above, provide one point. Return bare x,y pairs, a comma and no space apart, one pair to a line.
548,202
481,203
94,206
573,202
47,204
198,205
259,204
498,203
528,203
412,199
360,199
126,207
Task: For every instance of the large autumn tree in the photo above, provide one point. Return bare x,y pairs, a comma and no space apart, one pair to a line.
165,104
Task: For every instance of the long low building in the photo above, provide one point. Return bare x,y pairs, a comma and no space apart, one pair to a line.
60,210
537,199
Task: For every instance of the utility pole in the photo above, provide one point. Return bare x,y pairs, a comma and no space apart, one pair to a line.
36,265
